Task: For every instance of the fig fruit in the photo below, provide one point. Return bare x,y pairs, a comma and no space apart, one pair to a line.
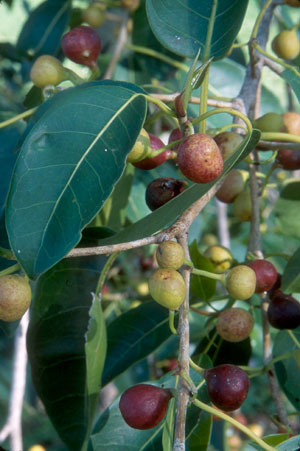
143,406
175,135
269,122
283,311
163,189
234,324
82,45
141,148
266,275
47,70
167,287
228,142
291,122
293,3
289,159
15,297
152,162
232,186
286,44
227,386
170,254
242,206
130,5
220,257
94,15
240,282
199,158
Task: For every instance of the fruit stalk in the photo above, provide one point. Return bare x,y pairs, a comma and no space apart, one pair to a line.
234,423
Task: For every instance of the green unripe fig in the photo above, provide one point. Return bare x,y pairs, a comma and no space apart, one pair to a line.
94,15
15,297
233,185
291,122
167,287
240,282
130,5
47,70
234,324
220,257
242,207
170,254
286,44
228,142
141,148
269,122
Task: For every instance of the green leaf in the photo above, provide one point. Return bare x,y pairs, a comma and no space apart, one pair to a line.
56,344
287,209
134,335
199,437
272,440
182,26
293,444
291,276
67,168
202,287
43,29
168,430
287,370
95,353
169,212
293,80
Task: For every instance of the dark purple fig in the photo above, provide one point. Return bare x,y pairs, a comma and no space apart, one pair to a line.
143,406
199,158
227,386
266,275
283,311
163,189
82,45
289,159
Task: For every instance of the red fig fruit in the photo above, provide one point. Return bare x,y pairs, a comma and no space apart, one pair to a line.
266,275
82,45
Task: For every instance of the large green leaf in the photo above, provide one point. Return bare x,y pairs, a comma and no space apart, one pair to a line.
273,440
56,345
95,353
68,165
291,275
287,209
287,370
293,80
169,212
182,26
43,29
134,335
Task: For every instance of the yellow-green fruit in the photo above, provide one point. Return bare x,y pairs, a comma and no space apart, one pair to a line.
15,297
240,282
228,142
47,70
209,239
141,148
286,44
94,15
242,208
220,257
269,122
291,122
131,5
170,254
232,186
167,287
234,324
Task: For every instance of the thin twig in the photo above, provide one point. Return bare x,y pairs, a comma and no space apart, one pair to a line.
122,38
13,425
194,100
